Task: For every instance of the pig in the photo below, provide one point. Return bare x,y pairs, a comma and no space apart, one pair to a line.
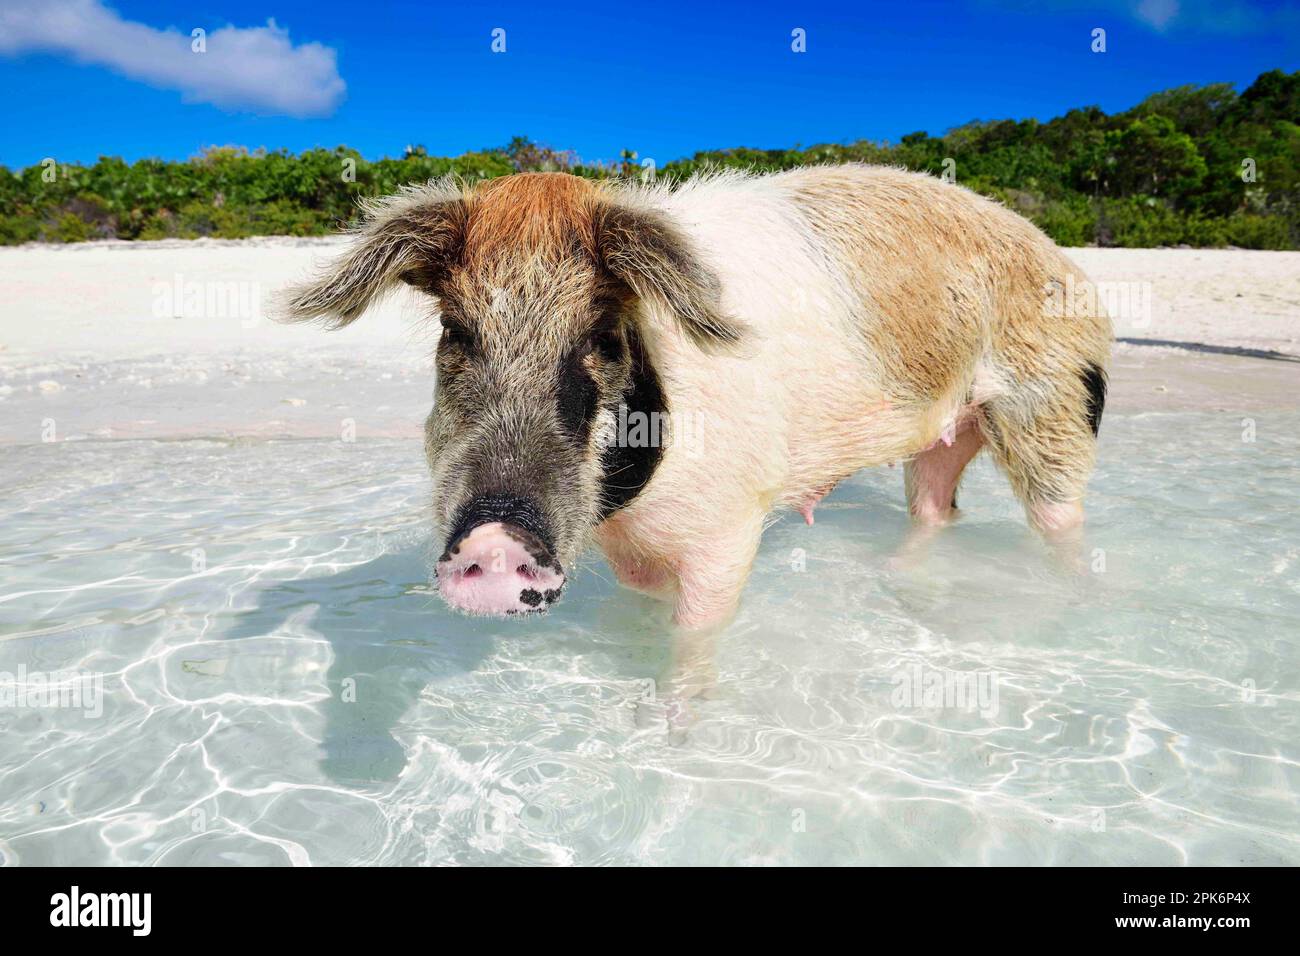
806,324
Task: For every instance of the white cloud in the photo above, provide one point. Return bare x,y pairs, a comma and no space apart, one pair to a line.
253,68
1158,13
1229,18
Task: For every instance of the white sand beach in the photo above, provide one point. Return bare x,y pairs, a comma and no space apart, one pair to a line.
111,340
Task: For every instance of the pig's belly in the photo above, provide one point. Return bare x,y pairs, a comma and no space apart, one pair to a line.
826,451
884,434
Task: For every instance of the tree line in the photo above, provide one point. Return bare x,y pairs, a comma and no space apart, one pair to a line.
1195,165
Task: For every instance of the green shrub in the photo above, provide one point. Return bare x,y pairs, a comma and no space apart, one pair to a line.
1137,222
1258,232
1072,223
71,228
17,227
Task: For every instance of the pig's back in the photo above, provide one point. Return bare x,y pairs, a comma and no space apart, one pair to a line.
941,274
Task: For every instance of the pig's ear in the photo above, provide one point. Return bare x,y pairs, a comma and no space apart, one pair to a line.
651,257
412,237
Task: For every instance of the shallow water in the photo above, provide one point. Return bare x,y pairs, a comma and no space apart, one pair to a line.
280,686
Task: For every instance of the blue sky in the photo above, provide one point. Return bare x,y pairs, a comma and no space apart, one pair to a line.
89,77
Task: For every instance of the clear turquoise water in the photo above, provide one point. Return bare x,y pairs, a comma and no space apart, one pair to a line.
295,693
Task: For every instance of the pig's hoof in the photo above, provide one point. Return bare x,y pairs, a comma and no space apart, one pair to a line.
671,716
649,715
499,570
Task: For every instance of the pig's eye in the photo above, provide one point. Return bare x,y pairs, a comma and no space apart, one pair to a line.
605,341
453,333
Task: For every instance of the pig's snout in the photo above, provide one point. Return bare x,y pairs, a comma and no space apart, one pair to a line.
497,561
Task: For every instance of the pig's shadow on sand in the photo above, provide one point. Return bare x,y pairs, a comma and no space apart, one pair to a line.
391,635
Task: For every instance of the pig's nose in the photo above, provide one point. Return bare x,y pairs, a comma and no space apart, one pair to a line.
498,568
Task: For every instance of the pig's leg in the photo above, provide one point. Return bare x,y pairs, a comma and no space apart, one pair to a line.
691,674
709,576
931,477
914,546
1047,451
711,573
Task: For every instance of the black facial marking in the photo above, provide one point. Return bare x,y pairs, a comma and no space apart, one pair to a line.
576,396
628,468
1094,380
530,597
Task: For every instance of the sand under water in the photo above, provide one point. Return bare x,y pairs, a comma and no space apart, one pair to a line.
219,645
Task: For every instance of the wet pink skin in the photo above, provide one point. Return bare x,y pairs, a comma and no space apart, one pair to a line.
491,572
938,468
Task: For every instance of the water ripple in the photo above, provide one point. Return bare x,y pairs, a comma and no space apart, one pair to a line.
268,679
